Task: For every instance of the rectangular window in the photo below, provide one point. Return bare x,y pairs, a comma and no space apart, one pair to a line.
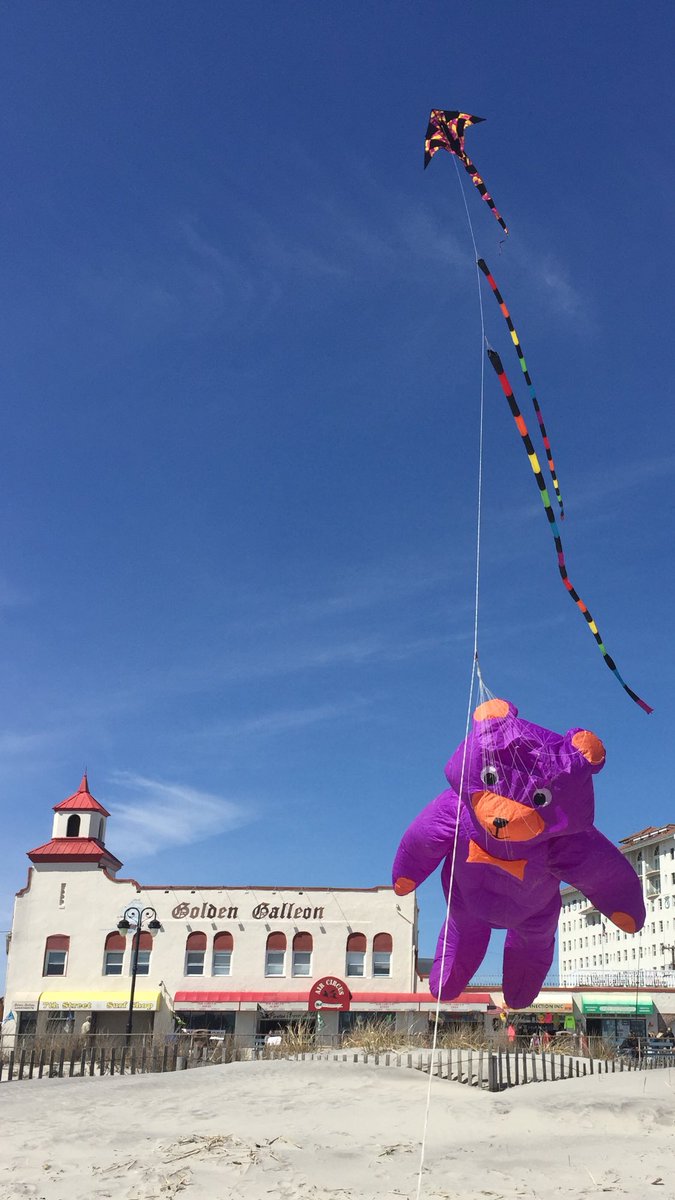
355,962
59,1022
381,962
222,962
302,962
274,962
27,1024
194,962
143,962
55,962
113,962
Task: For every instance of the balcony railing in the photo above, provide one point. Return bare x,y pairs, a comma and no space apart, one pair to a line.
646,977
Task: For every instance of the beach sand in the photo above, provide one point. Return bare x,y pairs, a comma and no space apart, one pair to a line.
334,1131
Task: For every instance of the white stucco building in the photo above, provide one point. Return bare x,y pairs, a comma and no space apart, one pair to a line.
593,952
234,959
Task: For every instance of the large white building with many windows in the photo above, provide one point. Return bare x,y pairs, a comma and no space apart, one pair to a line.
240,960
592,951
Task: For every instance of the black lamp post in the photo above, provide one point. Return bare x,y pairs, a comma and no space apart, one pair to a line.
132,923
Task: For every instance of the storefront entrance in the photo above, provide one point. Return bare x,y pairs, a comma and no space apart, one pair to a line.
275,1024
615,1029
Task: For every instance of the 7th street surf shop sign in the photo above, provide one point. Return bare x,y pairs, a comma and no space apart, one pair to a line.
329,993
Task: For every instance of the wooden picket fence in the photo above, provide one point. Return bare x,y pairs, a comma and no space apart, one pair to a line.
55,1064
499,1069
494,1070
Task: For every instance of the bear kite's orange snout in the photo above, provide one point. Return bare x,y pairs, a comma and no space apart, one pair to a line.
505,819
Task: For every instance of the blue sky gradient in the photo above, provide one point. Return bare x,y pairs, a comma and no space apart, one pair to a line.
241,355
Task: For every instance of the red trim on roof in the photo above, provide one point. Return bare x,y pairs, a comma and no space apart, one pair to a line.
74,850
82,800
302,997
248,887
649,831
26,888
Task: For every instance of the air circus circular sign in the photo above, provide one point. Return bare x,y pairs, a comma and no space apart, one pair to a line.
329,994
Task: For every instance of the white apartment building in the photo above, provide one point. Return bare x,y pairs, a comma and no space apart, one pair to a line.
240,960
593,952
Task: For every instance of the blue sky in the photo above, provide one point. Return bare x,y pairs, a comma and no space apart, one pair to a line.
240,351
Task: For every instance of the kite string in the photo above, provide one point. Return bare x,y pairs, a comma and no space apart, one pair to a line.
475,670
480,415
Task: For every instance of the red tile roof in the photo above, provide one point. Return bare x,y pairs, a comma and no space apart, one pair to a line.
74,850
82,800
650,831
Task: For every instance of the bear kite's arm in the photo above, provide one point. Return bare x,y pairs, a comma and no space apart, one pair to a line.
592,864
425,843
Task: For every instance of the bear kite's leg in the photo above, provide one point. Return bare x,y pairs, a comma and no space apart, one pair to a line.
467,941
528,954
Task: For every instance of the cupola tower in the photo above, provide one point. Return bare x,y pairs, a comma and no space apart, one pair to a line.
78,833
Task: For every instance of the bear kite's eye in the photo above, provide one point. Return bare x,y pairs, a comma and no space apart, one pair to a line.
542,797
489,776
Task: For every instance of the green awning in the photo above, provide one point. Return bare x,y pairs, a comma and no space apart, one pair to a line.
605,1006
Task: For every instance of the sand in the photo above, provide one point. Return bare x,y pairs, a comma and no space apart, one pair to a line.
334,1131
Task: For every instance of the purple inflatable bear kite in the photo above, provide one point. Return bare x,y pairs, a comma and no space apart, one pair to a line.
525,824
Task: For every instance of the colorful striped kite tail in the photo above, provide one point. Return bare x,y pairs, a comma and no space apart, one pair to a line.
546,501
521,358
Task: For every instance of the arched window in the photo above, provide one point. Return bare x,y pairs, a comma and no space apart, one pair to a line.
56,954
223,945
356,954
302,954
73,826
113,955
382,947
195,949
144,952
275,954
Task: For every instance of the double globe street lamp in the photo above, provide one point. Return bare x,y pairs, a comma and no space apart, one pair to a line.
132,923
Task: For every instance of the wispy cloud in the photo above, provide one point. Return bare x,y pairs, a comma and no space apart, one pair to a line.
14,743
549,279
554,281
581,496
12,596
163,815
286,720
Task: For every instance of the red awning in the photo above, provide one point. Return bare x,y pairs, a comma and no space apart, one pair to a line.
481,1000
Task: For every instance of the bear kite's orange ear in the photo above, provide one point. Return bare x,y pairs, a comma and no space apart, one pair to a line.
492,710
590,746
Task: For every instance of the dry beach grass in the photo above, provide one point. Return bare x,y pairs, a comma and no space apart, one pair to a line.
279,1130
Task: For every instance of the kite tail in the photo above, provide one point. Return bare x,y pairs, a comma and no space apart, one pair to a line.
478,183
521,358
546,500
